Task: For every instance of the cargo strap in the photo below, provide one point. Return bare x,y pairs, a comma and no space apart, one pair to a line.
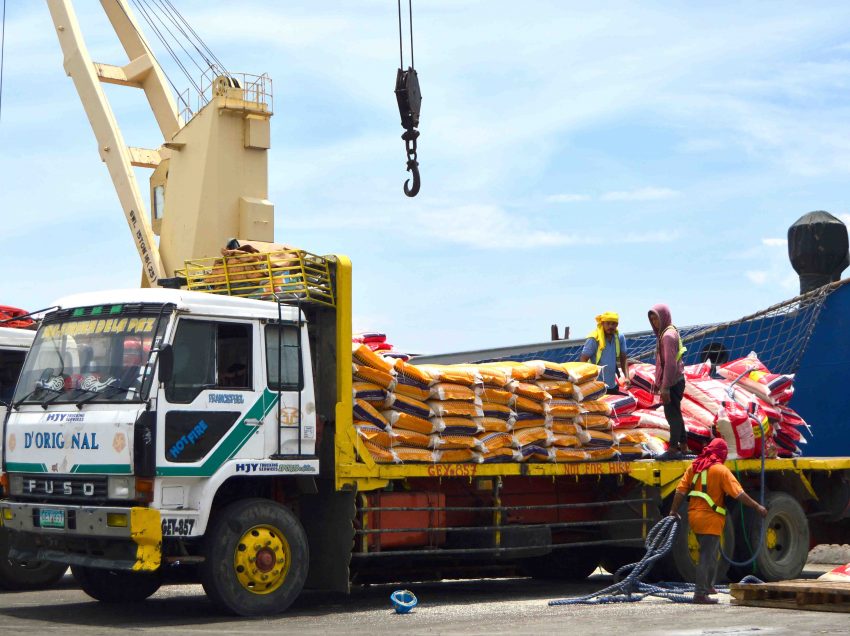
702,494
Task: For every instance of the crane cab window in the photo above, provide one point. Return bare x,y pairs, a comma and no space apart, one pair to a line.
210,355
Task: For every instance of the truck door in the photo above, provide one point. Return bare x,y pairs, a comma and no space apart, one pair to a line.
210,409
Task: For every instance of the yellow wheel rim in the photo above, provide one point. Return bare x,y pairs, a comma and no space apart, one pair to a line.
693,546
770,539
262,559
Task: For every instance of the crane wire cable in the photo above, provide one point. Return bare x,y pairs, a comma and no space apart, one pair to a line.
203,44
2,55
401,36
155,10
151,53
169,12
143,11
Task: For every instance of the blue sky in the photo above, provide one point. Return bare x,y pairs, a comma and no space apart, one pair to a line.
575,158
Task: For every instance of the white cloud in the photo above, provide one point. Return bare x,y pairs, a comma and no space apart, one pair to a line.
757,276
641,194
567,198
774,242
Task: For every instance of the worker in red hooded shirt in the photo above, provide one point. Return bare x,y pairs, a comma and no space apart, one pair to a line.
670,379
706,483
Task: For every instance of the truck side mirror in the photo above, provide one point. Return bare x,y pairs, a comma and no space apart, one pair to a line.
165,360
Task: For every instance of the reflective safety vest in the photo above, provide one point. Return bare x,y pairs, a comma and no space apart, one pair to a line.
599,348
703,494
682,348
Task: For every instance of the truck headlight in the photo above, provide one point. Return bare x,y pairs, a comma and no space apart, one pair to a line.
120,487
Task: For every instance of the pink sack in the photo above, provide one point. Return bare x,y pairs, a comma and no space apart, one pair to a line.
642,376
708,393
698,371
698,413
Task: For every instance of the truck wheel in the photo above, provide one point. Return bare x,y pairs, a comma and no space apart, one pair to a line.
683,557
116,586
26,575
256,558
786,539
574,564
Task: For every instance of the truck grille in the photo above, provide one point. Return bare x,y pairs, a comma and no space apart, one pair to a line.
62,488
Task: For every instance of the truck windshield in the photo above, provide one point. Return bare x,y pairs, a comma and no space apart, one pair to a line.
90,358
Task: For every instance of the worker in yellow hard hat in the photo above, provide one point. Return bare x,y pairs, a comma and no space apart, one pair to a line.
606,347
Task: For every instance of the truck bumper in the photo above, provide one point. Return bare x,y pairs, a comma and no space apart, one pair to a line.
102,537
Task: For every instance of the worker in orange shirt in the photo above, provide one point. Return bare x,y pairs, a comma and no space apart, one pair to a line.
706,482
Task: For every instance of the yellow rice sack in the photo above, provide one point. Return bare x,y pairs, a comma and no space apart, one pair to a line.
399,420
557,388
455,408
372,393
451,374
496,396
579,372
367,413
407,405
458,425
568,441
494,424
564,409
601,454
381,455
590,421
530,391
447,391
445,442
412,373
493,377
600,407
371,433
499,455
589,390
492,441
364,355
375,376
412,390
526,405
548,370
500,411
529,422
567,455
409,454
566,427
518,370
538,435
402,437
454,456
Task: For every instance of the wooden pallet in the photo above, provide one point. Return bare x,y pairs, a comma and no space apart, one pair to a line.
798,594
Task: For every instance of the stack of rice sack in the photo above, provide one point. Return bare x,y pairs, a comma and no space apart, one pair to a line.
747,406
493,412
378,342
594,411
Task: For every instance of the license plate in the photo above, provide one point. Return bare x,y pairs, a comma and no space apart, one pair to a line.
50,518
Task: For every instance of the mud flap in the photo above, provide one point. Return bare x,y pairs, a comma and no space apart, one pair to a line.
328,518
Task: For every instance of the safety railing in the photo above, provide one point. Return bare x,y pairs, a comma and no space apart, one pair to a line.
289,276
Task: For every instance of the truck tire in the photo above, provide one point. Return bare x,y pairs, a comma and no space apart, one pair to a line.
574,564
256,558
786,542
116,586
683,557
26,575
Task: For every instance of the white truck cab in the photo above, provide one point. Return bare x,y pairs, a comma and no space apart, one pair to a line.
134,408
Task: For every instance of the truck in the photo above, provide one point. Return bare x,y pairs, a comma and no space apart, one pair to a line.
14,343
163,433
132,452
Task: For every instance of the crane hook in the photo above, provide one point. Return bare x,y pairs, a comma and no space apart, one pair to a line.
413,168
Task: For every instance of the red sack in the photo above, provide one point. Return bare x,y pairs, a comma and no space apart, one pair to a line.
645,399
697,413
734,425
698,371
751,374
642,376
620,404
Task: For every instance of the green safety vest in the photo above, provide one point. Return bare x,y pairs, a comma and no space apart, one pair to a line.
702,494
682,348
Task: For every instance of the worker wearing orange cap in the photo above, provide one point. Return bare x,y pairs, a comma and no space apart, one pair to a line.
706,483
606,346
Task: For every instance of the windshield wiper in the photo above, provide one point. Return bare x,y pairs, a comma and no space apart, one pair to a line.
16,405
51,400
115,389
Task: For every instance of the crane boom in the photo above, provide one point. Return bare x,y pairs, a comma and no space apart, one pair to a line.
210,172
